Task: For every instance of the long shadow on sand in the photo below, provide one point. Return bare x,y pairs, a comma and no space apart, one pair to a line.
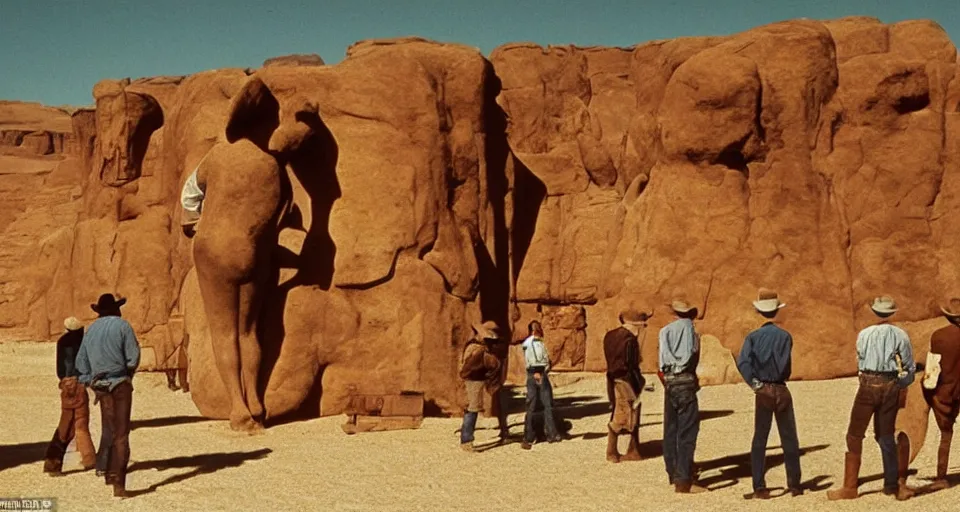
13,455
167,421
199,464
734,467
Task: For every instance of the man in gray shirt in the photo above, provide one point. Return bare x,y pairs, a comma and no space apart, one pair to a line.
108,358
885,361
679,355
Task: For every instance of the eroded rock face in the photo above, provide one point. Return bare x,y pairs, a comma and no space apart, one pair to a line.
818,159
392,229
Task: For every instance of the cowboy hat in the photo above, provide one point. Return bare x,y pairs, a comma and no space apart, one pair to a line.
952,308
681,306
884,305
634,317
72,324
107,302
767,301
487,330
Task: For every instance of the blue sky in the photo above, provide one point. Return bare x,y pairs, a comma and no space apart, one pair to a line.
53,51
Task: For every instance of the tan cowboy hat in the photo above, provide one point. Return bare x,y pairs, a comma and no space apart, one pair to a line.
487,330
767,301
633,317
884,305
681,306
952,308
72,324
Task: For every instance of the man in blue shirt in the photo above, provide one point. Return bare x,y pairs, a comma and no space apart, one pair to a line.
764,363
885,361
108,358
679,356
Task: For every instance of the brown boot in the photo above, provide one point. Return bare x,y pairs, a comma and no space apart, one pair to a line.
903,464
613,455
943,462
688,488
119,482
759,494
53,467
851,471
633,451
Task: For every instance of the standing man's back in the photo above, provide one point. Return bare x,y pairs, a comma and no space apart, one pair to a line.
679,356
112,350
765,364
108,358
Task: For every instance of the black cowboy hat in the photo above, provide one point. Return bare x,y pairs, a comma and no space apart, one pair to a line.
107,302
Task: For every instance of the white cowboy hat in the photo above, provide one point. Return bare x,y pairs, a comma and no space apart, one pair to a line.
952,308
884,305
72,324
681,306
487,330
767,301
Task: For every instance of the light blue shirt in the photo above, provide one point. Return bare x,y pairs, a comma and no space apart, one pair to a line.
109,347
878,347
679,345
535,353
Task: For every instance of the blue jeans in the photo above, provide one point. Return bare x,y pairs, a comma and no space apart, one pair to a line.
543,393
681,426
469,425
775,400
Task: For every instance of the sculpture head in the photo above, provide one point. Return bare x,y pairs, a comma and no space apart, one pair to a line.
125,122
256,114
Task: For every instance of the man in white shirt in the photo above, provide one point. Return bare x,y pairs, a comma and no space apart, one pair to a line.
191,202
882,351
538,386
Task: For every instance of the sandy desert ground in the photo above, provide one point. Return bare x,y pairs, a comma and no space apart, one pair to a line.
181,461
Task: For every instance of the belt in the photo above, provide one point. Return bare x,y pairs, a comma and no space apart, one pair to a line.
773,383
680,377
889,375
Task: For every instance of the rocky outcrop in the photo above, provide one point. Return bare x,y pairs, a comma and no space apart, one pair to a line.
803,156
560,184
41,167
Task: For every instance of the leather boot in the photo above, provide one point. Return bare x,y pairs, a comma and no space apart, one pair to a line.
613,455
633,451
53,467
903,464
688,488
120,486
943,462
851,471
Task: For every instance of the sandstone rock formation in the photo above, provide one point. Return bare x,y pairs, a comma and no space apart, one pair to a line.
561,184
818,159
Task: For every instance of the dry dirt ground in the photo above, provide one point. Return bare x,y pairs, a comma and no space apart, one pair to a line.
181,461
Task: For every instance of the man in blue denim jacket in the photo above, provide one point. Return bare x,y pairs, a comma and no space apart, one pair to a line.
108,358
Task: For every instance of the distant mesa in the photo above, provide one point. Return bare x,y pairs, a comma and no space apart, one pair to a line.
297,59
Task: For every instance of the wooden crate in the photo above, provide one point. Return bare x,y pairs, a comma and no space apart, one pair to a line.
359,423
404,404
